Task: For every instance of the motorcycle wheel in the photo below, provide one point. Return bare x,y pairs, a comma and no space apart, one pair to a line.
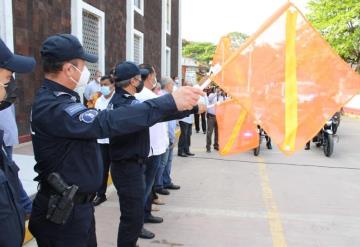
328,145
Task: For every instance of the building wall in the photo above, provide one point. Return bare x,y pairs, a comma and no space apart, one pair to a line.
115,30
174,37
34,21
150,25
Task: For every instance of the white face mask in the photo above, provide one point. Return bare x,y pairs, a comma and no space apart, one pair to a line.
84,77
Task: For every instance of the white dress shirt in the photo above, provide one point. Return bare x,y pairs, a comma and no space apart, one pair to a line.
101,104
159,137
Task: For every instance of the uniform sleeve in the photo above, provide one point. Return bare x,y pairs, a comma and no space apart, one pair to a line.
181,114
59,121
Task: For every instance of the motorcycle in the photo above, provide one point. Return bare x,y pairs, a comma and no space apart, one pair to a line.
325,138
262,134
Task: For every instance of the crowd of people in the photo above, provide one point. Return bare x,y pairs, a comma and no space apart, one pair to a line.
128,128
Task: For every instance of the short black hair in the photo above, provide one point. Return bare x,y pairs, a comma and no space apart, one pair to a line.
107,77
52,66
149,68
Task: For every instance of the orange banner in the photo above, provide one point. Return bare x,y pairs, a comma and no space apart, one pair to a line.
287,78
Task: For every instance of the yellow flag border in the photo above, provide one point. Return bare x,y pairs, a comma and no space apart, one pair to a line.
291,94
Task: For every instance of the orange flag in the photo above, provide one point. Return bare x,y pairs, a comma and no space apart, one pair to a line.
288,78
237,130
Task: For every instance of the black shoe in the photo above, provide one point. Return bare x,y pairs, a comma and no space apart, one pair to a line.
216,148
268,145
98,200
153,219
208,150
162,191
182,155
146,234
172,187
189,154
197,131
204,132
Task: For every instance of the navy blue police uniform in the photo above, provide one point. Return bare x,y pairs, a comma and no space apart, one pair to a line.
64,136
128,154
12,214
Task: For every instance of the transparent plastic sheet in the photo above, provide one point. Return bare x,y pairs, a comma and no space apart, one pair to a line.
237,131
287,78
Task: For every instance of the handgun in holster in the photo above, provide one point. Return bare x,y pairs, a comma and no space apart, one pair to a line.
61,203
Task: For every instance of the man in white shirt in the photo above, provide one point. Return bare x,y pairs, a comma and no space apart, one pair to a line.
93,86
215,97
185,134
159,141
107,91
163,181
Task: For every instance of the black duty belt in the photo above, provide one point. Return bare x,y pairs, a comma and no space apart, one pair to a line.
134,160
210,115
79,198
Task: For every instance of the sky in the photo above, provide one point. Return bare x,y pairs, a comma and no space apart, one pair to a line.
208,20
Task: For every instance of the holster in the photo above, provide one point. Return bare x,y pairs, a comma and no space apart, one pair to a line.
61,202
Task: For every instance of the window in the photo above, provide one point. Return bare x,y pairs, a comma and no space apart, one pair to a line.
6,23
88,25
139,6
168,16
90,37
168,62
138,47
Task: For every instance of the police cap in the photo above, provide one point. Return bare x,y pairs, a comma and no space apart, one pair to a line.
65,47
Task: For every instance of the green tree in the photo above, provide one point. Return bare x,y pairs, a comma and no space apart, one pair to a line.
237,38
200,51
339,22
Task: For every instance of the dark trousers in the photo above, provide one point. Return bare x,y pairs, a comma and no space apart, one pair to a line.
105,154
185,137
197,122
78,231
212,127
151,169
128,179
12,222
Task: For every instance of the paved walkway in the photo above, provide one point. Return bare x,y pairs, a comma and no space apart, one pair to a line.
241,200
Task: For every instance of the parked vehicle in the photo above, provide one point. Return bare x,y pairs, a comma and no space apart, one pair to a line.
325,138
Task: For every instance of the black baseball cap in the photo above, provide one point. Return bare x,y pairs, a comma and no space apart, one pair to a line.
13,62
65,47
127,70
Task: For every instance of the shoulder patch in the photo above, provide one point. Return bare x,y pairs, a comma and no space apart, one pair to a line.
88,116
58,93
74,109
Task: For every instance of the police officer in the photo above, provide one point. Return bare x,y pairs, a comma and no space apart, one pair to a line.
128,154
64,135
11,212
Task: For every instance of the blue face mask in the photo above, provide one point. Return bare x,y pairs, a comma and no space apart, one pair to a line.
105,90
